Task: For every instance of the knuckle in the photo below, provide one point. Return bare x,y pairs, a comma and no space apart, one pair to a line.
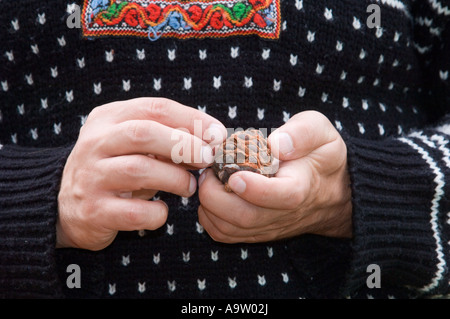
136,132
316,116
248,220
308,129
90,140
95,113
133,217
134,166
87,142
83,129
80,187
89,210
338,150
311,124
157,108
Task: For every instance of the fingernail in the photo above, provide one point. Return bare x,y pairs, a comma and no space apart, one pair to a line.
207,154
201,178
285,144
165,204
237,184
192,185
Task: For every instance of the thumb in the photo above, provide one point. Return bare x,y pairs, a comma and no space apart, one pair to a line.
302,134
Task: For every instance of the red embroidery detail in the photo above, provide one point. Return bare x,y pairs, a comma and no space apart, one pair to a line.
181,19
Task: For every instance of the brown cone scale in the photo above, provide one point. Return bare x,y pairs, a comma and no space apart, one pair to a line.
243,151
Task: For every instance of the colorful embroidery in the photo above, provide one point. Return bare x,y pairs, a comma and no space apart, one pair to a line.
181,19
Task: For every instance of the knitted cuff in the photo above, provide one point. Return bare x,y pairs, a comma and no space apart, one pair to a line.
29,185
396,219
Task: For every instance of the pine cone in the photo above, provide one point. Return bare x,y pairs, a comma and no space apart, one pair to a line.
243,151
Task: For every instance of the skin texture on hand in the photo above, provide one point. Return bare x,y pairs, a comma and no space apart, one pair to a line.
310,193
121,159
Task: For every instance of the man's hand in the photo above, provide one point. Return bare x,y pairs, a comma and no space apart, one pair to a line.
310,193
122,157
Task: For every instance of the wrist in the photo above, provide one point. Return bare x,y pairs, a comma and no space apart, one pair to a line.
333,217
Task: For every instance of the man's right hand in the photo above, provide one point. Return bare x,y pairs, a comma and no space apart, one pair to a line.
123,156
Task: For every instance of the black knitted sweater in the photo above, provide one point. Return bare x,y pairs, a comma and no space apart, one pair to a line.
386,89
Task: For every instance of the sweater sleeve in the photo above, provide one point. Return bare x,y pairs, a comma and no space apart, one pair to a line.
401,185
401,204
29,184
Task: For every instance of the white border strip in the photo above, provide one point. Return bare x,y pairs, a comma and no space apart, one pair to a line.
438,192
439,8
396,4
442,142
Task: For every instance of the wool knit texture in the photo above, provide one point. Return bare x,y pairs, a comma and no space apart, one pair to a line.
386,90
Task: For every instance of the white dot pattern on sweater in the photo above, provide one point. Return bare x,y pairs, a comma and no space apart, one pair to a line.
235,52
343,74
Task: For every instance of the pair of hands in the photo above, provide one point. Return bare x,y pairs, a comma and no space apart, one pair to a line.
123,157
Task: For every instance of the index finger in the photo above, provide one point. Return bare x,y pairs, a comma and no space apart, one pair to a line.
169,113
